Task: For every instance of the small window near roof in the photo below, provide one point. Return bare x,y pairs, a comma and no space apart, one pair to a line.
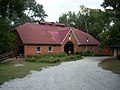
38,50
69,37
50,49
87,39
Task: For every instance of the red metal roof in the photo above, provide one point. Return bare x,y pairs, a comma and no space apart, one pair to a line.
44,34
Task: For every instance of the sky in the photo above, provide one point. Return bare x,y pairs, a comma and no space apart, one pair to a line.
55,8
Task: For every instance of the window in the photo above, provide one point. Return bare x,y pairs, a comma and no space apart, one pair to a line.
38,50
92,48
85,48
50,49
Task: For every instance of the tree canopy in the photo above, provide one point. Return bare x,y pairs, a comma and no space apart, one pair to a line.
88,20
6,36
103,25
9,7
16,12
112,11
32,12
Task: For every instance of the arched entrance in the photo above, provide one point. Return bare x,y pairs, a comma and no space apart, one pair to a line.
69,48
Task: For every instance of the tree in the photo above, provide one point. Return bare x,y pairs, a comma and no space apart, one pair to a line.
114,7
18,12
32,12
7,10
6,36
13,13
78,20
112,11
88,20
9,7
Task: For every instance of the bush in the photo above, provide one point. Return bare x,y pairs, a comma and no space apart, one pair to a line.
118,57
73,57
49,60
59,55
32,59
85,53
53,58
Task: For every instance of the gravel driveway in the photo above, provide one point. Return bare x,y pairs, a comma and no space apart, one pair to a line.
76,75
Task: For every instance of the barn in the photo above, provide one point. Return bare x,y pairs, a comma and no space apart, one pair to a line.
53,38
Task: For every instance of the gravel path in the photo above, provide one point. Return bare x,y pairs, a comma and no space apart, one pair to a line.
76,75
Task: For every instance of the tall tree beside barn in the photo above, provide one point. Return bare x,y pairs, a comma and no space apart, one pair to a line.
9,7
6,36
7,10
16,12
88,20
33,11
112,11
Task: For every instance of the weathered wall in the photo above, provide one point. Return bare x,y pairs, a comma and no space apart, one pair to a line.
93,48
32,49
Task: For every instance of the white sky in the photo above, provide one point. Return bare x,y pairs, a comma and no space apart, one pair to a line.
55,8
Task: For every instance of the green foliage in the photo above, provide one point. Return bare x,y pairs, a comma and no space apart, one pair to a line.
87,53
118,57
53,58
73,57
7,37
88,20
32,12
111,36
9,7
103,25
18,12
114,34
115,8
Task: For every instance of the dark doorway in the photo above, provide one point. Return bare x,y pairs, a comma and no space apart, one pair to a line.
21,50
69,48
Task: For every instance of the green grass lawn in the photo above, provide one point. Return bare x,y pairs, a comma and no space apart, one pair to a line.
8,70
111,64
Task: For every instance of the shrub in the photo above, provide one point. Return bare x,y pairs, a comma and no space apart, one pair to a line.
49,60
59,55
78,53
118,57
102,54
31,59
54,58
73,57
87,53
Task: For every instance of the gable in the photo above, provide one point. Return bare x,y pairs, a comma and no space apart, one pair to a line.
70,37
